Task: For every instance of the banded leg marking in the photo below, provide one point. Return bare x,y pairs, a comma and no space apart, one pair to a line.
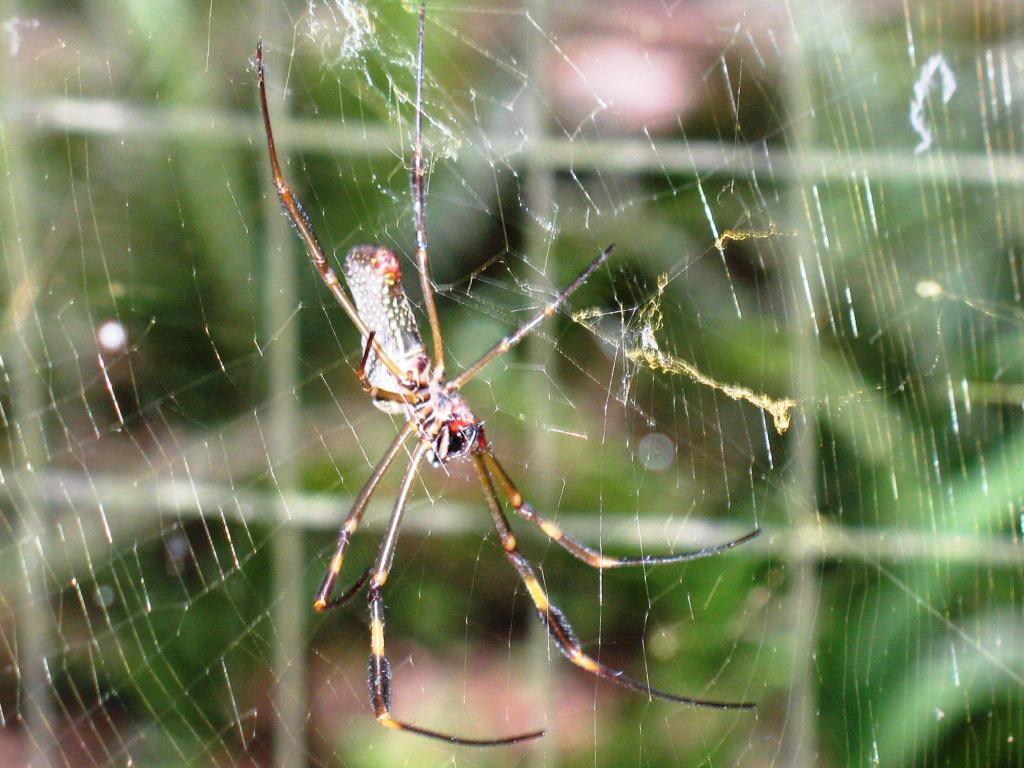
323,602
580,550
554,620
379,668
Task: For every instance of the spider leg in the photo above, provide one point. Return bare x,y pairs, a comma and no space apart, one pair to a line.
546,311
322,601
376,392
419,204
300,221
379,667
557,625
581,551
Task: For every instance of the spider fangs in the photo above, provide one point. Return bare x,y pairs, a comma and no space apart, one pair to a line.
403,378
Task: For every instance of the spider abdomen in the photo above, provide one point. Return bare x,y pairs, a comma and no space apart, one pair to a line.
374,278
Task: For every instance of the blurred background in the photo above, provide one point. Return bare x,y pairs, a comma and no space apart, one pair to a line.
815,201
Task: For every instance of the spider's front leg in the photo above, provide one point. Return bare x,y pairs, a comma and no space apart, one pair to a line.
581,551
554,620
379,667
323,602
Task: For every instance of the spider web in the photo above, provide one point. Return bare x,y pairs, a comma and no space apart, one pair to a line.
817,214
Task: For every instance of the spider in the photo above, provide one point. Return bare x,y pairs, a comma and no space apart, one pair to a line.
400,376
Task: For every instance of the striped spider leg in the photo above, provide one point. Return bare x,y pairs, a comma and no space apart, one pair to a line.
403,379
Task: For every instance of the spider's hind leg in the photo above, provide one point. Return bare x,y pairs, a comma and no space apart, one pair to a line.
580,550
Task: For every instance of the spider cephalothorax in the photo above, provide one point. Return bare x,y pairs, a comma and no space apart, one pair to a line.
459,431
403,378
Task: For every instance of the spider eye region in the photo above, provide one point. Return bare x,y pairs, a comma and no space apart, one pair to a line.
457,437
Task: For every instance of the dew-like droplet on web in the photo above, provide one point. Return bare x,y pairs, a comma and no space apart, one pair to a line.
656,451
112,336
